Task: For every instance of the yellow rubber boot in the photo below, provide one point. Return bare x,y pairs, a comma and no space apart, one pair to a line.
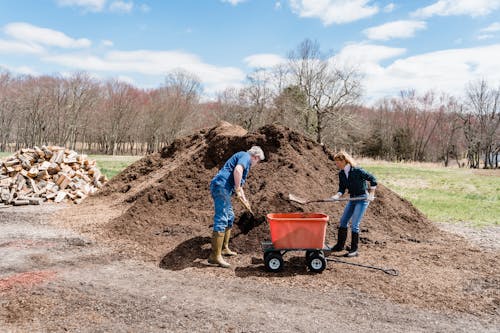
225,247
216,256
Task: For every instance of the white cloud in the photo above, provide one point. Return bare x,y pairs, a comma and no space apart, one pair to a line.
90,5
277,5
447,70
152,63
395,29
23,70
485,36
264,60
234,2
494,27
459,7
16,47
144,8
334,11
389,8
28,33
366,57
107,43
126,79
121,7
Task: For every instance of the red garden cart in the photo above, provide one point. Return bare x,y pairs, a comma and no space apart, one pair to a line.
296,232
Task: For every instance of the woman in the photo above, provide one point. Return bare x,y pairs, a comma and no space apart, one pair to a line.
353,179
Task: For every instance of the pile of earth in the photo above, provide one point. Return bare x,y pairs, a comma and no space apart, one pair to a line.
165,214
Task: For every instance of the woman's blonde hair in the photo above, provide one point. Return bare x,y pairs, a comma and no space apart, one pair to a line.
344,156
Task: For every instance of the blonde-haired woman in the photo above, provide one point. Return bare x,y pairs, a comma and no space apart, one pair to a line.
353,179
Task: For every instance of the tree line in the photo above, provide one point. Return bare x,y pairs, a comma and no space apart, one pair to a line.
310,93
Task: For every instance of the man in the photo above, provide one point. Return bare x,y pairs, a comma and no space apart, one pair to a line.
228,181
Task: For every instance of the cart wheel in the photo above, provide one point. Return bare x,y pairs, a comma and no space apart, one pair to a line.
273,261
316,262
308,253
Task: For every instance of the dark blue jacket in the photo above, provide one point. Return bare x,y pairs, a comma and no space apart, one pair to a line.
356,183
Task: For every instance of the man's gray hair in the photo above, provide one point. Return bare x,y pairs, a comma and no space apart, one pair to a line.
256,151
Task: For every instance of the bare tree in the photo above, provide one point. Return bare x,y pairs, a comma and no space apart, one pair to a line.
81,97
230,107
328,87
289,108
481,124
257,97
119,114
183,90
448,130
35,111
8,106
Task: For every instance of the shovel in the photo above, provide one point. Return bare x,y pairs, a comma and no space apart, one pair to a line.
302,201
245,204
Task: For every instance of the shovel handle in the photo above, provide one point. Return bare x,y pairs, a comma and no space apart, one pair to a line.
294,198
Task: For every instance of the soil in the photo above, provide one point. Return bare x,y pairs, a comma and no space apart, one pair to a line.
133,257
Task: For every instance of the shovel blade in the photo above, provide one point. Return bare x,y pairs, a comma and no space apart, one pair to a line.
295,198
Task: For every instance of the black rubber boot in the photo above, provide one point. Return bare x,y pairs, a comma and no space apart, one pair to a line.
353,251
340,241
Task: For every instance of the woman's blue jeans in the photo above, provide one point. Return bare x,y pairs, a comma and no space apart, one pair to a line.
224,215
354,211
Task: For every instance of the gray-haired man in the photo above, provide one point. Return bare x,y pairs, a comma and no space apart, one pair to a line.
228,181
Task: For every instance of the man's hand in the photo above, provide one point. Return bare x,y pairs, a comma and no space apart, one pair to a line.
239,192
371,196
242,198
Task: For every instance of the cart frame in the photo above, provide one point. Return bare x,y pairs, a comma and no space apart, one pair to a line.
273,257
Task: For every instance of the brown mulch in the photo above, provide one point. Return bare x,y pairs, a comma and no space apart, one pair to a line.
163,212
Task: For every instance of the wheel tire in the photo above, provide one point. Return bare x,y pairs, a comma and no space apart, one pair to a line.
273,262
316,262
308,254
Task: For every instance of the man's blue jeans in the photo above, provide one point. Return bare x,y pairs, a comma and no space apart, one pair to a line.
354,210
224,215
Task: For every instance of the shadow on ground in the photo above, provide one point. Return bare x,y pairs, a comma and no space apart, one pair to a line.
187,254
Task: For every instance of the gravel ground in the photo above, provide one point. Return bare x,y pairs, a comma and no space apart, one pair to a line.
487,238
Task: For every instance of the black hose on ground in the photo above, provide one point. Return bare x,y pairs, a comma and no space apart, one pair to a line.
390,271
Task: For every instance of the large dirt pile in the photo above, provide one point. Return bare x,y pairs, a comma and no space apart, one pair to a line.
178,201
166,213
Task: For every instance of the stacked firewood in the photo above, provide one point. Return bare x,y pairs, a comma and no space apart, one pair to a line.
52,173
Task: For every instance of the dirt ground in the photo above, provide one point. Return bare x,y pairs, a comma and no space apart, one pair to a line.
53,279
133,258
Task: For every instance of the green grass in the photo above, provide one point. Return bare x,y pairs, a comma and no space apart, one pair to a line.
113,165
444,194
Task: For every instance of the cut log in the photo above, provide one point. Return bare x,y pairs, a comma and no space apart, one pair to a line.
63,181
48,173
61,195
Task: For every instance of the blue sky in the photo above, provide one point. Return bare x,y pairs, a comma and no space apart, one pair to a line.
427,44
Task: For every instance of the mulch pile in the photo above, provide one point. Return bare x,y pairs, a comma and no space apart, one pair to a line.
168,214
